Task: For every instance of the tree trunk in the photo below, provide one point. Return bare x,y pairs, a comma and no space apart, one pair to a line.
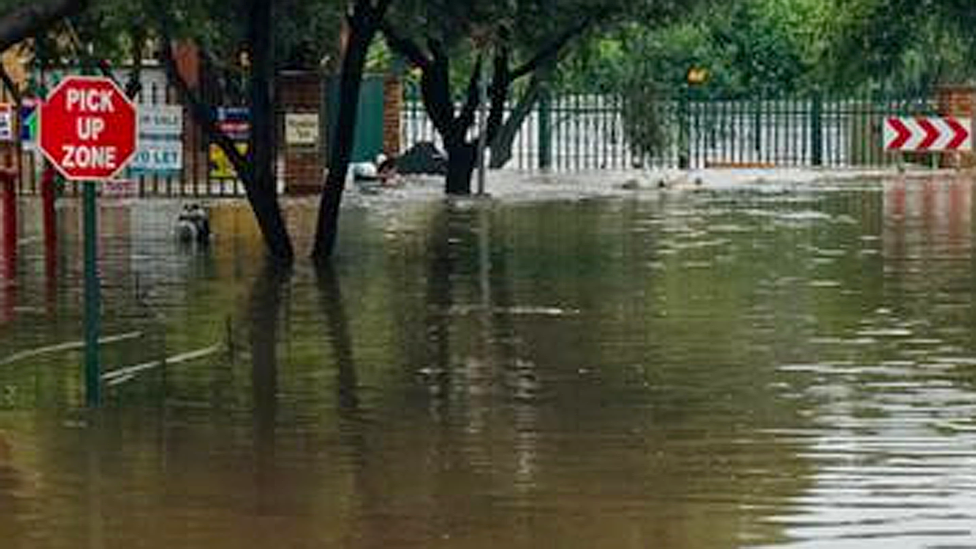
461,160
28,20
134,85
361,33
262,190
501,146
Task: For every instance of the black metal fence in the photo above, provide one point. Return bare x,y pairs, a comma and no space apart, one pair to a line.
578,132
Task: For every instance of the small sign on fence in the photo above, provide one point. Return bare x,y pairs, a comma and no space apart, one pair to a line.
928,134
7,123
235,122
221,166
28,123
120,188
165,121
160,140
301,129
161,157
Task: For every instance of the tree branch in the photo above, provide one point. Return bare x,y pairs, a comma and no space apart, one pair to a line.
501,81
29,20
553,49
472,100
404,46
10,85
501,144
199,109
86,57
134,85
435,85
379,11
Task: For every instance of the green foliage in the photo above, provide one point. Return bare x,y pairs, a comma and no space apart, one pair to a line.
776,47
307,32
644,119
901,44
747,48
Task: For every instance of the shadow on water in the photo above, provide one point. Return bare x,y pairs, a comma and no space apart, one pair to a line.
267,296
448,227
340,340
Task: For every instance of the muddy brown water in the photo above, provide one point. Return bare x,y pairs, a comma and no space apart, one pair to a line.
769,366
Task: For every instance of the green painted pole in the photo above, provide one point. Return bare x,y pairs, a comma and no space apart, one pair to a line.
93,375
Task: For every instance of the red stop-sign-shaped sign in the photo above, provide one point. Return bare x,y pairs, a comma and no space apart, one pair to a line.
88,128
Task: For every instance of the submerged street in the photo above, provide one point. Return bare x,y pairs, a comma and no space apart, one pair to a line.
747,366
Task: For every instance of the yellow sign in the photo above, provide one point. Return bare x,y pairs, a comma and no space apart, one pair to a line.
221,166
697,75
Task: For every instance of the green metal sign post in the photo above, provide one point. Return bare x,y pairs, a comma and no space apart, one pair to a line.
93,373
88,130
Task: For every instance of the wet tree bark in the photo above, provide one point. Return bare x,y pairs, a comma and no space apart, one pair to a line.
438,101
453,125
461,162
256,169
30,19
363,23
262,191
501,146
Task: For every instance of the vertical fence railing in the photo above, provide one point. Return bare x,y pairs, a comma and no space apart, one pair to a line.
585,132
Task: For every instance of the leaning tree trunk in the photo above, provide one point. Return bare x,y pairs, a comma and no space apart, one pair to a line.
340,152
504,141
256,169
262,190
363,25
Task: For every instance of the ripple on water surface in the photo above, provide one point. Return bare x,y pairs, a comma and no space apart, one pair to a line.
679,370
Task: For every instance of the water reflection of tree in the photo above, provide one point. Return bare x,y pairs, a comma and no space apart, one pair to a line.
264,316
340,339
422,402
614,397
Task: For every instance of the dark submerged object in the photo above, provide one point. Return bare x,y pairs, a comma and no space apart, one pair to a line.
193,224
422,158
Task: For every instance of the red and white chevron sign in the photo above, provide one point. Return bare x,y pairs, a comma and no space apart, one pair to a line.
927,133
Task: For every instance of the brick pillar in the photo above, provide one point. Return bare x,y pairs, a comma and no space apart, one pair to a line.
392,107
195,153
959,102
300,96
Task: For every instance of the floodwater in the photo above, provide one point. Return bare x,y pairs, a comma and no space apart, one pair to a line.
777,365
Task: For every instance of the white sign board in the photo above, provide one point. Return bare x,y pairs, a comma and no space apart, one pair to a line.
160,121
301,129
160,140
158,156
